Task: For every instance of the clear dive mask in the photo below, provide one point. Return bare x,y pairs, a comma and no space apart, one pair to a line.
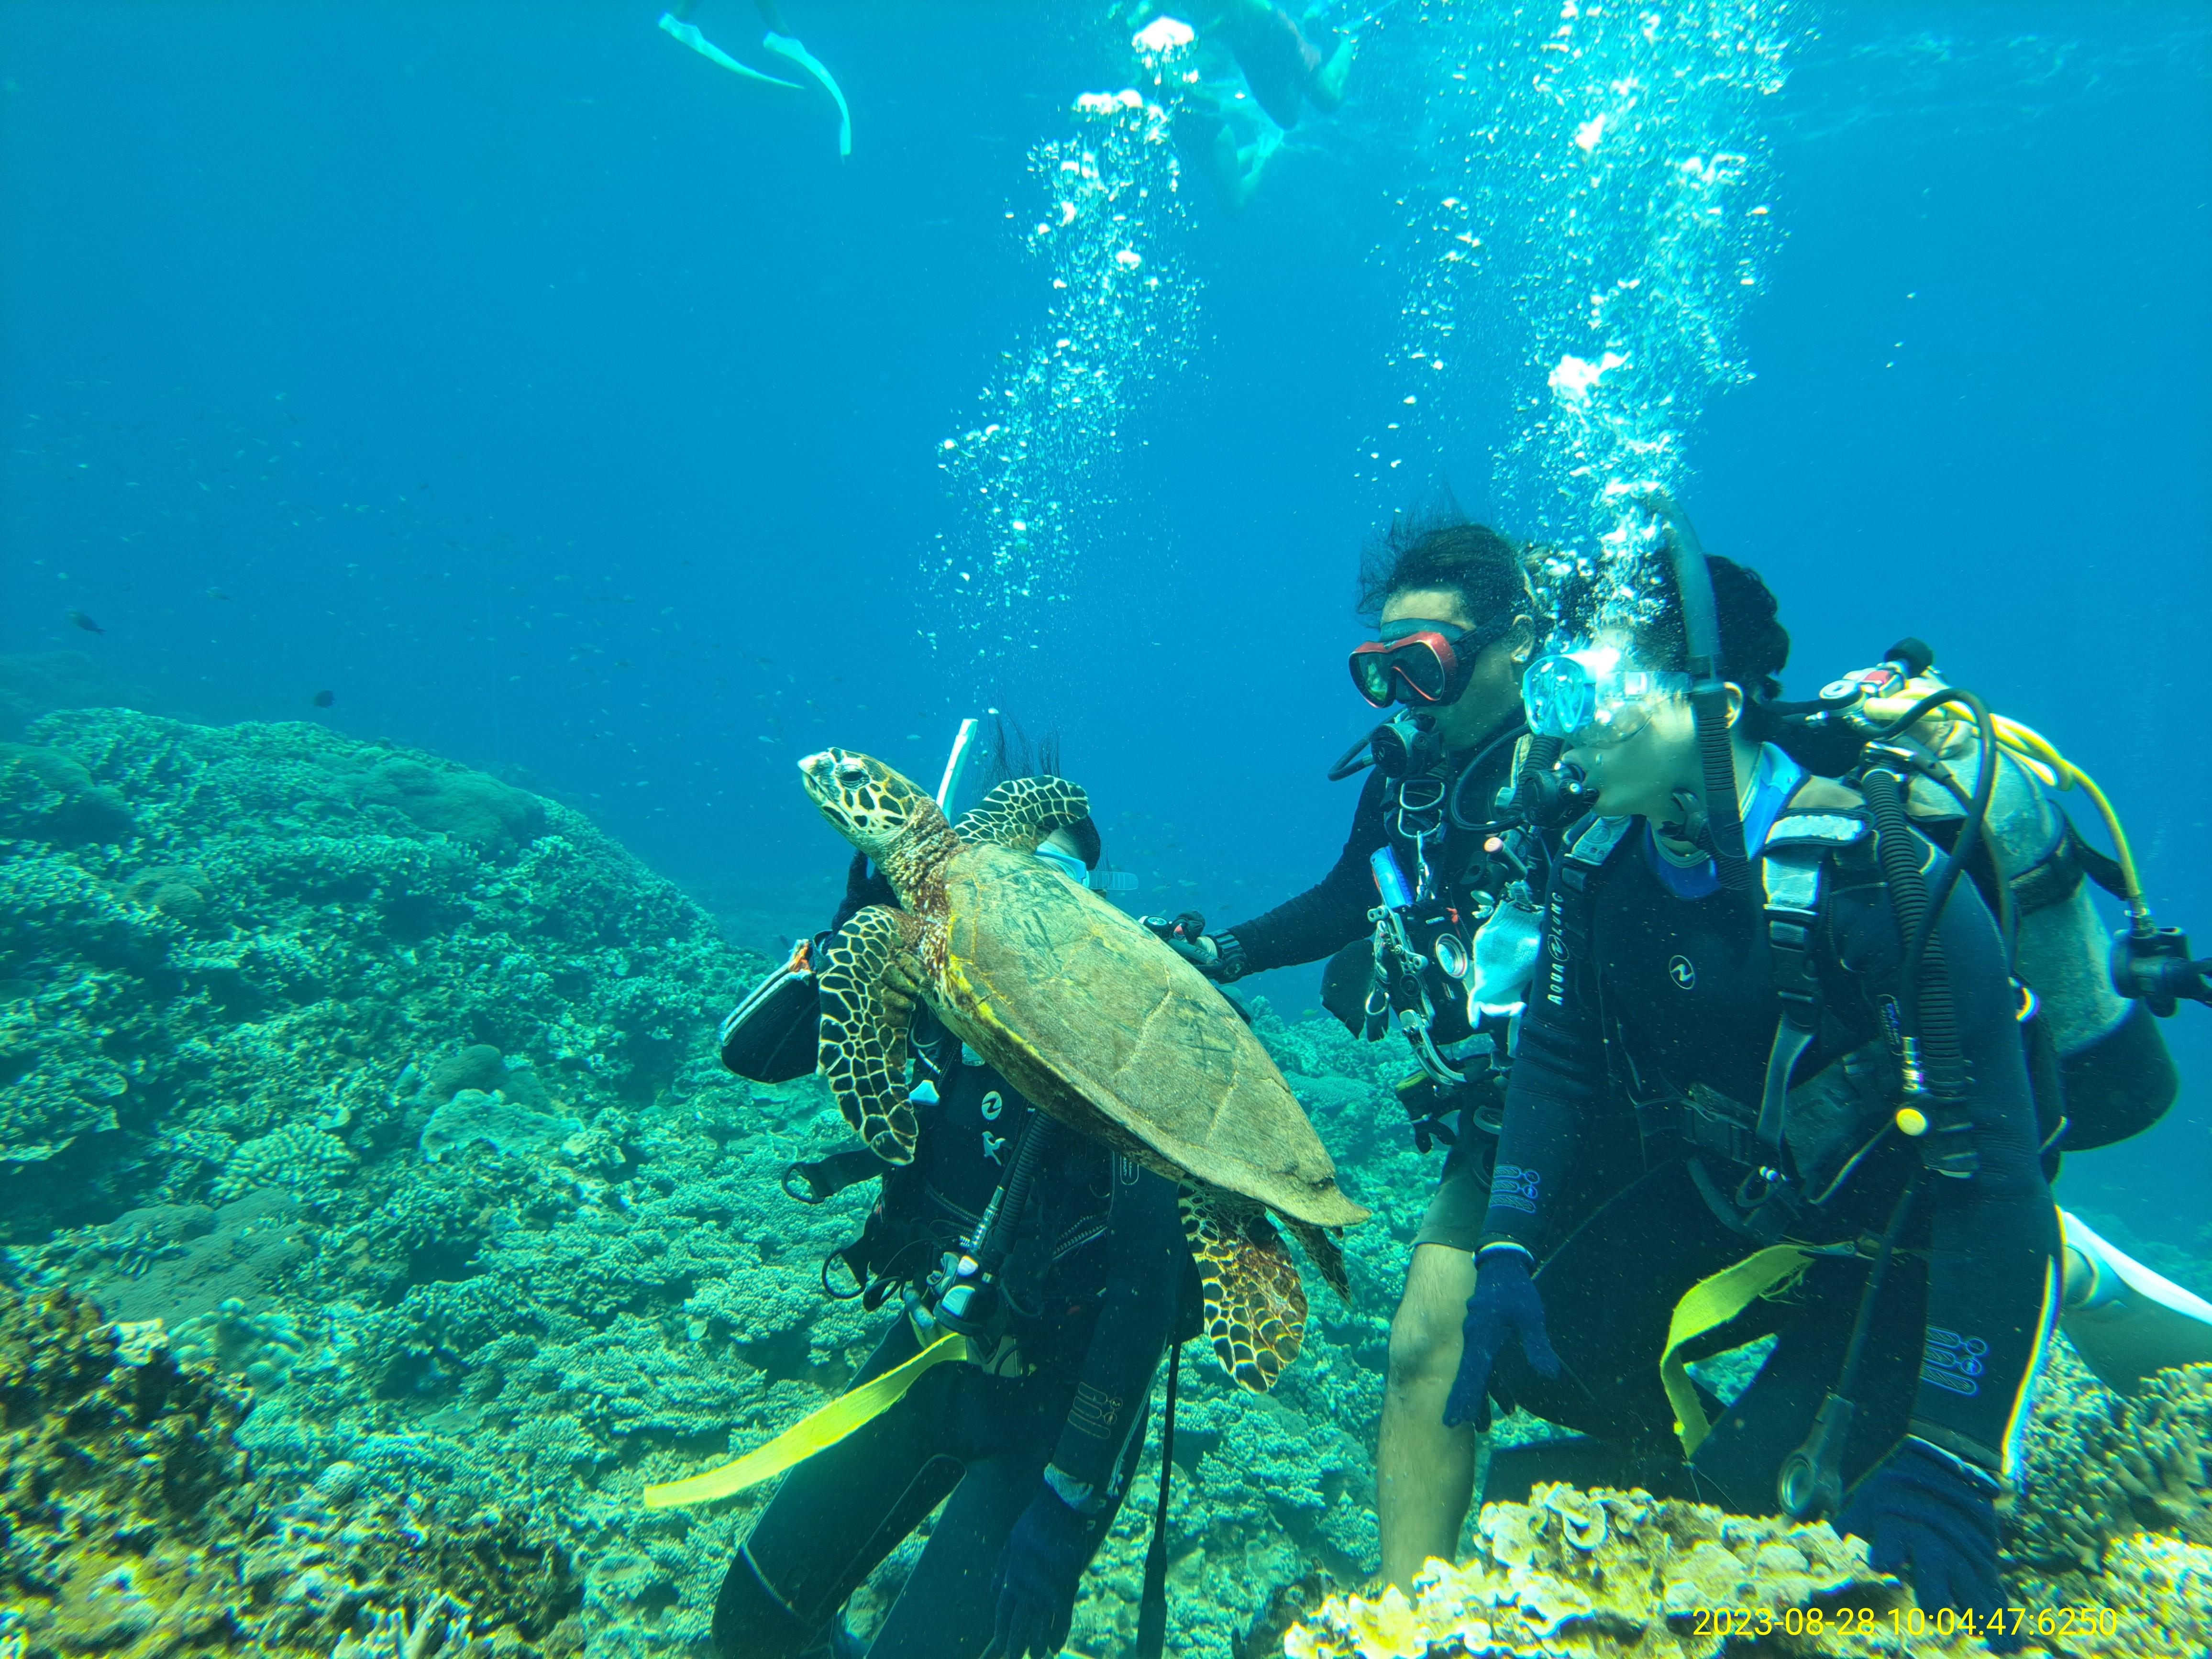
1591,697
1068,864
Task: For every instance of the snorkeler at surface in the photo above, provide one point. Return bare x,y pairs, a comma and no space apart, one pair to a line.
779,39
1030,1453
1751,1046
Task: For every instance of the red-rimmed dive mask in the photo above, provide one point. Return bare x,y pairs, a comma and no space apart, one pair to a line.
1417,661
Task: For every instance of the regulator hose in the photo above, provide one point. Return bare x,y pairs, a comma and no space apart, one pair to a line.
1917,944
1935,1061
997,1241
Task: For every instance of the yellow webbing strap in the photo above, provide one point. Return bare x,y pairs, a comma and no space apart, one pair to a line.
1708,1304
814,1433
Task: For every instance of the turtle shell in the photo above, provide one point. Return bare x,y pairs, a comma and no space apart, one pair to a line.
1096,1020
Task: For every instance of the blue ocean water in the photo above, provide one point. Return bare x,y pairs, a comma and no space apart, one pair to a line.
559,403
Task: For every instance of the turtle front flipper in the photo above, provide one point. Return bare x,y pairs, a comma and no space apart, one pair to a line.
1255,1303
863,1042
1021,812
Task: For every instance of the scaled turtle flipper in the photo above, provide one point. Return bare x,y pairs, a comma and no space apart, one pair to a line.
1255,1303
1021,812
863,1043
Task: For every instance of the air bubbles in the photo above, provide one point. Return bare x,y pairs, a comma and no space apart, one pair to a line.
1118,313
1606,186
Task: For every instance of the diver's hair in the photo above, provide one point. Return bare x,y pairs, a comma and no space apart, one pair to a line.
1755,645
1010,754
1438,547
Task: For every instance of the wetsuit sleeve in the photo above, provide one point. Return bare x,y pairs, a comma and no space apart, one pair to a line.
1332,913
1557,1082
1992,1273
1146,1257
865,884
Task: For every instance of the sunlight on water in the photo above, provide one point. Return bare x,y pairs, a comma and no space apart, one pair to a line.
1032,478
1599,199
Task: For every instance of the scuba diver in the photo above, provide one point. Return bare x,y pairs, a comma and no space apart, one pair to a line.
677,21
1774,987
1249,52
1065,1265
1445,966
2102,1070
1443,958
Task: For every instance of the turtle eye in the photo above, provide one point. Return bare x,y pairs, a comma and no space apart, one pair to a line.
851,771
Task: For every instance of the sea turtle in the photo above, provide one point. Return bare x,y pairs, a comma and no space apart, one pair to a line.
1089,1015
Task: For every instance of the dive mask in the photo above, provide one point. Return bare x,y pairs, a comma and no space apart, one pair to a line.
1068,864
1418,661
1591,696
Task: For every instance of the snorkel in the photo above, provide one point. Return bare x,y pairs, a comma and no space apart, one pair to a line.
1709,698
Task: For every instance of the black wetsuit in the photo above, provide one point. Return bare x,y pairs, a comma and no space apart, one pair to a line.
1676,993
1465,876
1095,1281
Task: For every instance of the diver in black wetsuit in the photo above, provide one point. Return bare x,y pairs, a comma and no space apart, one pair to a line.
1031,1453
1456,620
1658,1010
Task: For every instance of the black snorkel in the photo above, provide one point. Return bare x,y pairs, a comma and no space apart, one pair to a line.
1709,698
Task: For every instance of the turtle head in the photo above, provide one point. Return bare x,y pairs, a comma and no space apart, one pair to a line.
875,808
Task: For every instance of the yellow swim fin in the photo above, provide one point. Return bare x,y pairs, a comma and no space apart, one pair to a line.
813,1433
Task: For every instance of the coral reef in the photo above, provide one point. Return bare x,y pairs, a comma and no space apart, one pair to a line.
279,922
1609,1574
379,1094
2101,1470
37,683
1603,1572
130,1524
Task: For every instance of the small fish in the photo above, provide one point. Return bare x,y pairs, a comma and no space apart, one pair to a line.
86,623
324,699
217,593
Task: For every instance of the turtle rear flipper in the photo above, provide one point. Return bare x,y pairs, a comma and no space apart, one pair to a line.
1255,1304
863,1044
1021,812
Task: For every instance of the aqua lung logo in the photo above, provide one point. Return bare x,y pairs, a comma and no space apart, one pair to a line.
1952,1361
1683,972
1512,1187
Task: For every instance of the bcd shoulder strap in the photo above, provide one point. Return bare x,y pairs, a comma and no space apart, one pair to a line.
1589,844
1794,865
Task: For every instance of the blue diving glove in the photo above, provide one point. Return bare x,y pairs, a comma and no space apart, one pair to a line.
1931,1518
1506,1307
1038,1574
